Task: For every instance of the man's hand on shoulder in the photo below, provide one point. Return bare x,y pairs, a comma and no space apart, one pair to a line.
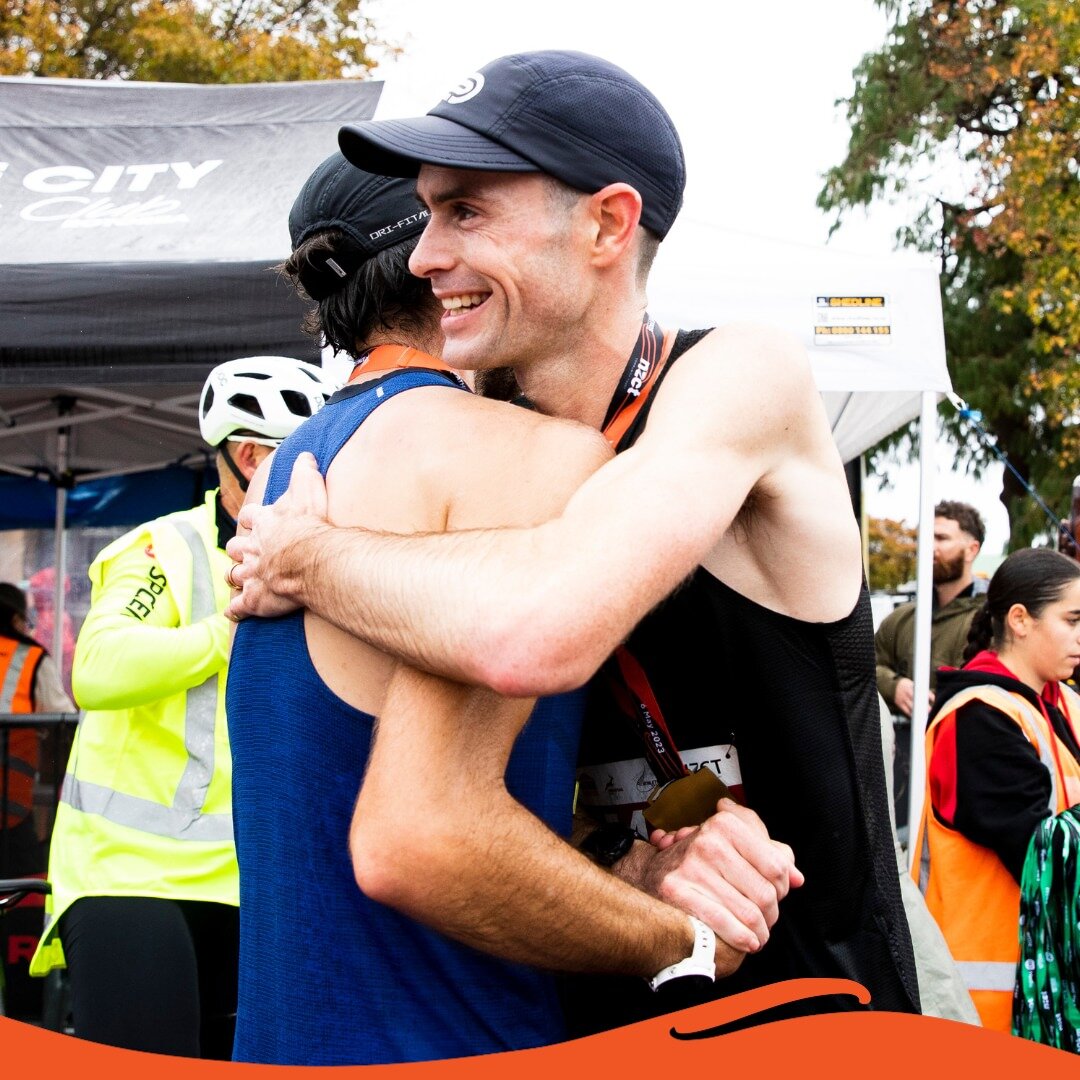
726,872
267,575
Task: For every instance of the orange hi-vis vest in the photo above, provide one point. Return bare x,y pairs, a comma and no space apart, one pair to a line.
18,663
970,893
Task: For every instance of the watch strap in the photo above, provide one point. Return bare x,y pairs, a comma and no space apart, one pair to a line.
701,961
608,843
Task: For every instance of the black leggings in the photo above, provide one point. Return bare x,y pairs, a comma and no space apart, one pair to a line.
151,974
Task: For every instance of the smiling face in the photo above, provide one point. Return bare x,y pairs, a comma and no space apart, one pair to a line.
502,253
1048,646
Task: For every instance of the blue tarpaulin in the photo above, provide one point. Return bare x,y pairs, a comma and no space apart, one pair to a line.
113,500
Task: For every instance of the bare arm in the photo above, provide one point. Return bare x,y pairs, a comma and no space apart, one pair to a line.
535,611
450,847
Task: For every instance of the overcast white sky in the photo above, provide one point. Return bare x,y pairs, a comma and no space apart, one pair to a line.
751,88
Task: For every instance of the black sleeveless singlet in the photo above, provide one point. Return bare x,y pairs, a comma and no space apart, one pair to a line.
789,711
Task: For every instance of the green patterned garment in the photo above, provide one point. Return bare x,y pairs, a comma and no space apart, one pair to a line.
1046,999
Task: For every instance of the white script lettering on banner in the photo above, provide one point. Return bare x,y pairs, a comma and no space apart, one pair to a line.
100,200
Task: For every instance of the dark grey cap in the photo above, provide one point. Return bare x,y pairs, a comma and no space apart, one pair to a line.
574,116
373,212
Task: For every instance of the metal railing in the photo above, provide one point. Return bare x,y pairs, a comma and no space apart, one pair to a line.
57,730
17,887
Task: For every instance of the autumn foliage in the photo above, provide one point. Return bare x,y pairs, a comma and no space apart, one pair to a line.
186,40
974,108
892,548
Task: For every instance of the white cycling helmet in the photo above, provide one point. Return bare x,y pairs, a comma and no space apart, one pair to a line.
264,397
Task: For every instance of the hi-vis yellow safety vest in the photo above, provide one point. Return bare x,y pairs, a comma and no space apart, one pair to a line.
971,895
146,803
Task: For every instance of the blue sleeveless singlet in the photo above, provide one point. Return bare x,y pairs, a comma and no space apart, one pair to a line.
328,976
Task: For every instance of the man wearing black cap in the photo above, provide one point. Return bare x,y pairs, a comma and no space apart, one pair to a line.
437,831
550,178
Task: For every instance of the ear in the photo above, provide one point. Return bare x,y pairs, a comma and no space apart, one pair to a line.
973,550
1018,621
248,456
615,213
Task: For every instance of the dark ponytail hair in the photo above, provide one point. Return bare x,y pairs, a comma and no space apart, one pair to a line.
12,606
980,633
1034,577
380,295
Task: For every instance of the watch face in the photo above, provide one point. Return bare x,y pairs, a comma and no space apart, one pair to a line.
609,843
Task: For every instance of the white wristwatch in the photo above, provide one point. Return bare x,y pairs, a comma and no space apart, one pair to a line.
701,961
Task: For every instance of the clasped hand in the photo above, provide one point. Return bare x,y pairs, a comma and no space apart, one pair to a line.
264,579
727,872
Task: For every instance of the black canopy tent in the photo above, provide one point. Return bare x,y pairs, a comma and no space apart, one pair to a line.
139,224
139,220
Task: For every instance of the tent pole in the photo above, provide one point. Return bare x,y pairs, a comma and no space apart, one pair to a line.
924,584
60,546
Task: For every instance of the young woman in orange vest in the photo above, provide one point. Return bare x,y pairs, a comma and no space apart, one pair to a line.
29,683
1002,754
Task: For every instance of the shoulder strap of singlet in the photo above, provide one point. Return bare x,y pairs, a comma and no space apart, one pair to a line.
685,340
333,425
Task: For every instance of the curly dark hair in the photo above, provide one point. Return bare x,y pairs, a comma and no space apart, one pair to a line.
380,295
967,517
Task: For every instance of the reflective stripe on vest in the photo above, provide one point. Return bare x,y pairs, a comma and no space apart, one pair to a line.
144,814
202,699
988,974
184,820
1006,702
12,677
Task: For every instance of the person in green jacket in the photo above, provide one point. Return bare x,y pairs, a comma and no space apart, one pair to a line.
958,536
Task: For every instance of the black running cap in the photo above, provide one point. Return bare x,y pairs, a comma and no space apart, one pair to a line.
576,117
373,212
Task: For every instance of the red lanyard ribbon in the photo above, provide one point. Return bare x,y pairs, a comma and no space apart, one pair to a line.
637,381
629,683
635,697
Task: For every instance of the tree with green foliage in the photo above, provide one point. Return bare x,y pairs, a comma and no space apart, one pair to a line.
238,41
972,107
